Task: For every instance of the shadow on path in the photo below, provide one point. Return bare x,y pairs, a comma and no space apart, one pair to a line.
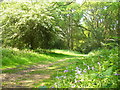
29,76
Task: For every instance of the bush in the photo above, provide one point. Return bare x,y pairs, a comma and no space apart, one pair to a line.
27,25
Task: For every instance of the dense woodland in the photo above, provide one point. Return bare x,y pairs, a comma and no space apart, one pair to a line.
61,25
42,27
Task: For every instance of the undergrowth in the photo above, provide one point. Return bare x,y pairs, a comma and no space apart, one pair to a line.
97,70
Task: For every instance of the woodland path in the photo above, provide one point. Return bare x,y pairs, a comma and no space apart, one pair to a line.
30,76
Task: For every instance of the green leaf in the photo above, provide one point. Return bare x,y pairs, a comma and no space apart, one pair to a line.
108,71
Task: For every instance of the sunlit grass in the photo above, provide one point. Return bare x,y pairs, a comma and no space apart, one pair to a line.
68,52
13,57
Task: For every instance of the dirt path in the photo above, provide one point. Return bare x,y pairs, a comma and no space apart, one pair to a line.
24,78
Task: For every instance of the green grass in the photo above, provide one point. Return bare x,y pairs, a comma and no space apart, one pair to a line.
96,69
13,57
75,73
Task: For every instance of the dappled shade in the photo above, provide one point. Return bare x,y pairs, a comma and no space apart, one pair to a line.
59,44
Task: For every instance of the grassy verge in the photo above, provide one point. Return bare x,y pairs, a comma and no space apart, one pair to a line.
13,57
97,70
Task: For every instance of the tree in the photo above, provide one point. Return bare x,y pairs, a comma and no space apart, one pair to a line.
27,25
63,25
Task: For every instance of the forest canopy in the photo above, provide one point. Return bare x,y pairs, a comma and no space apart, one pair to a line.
60,25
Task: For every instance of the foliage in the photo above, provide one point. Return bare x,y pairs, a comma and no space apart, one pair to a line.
27,25
100,31
98,70
36,31
61,25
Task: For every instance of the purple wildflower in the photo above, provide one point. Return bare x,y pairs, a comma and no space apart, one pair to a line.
65,71
53,87
116,74
84,70
79,72
73,86
93,68
85,64
98,63
78,81
88,67
76,76
77,68
57,77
